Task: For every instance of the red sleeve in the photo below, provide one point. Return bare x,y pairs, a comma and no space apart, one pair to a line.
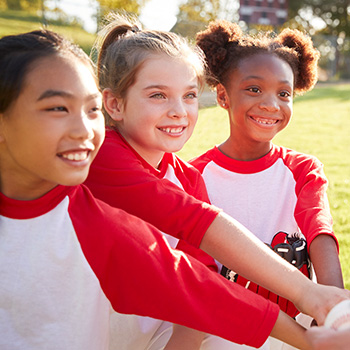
122,179
140,274
312,211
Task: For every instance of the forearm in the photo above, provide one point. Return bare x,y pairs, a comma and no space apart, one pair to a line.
325,260
289,331
238,249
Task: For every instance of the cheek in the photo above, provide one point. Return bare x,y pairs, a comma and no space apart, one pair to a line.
193,113
99,130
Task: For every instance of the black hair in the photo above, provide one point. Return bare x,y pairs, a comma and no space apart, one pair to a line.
19,52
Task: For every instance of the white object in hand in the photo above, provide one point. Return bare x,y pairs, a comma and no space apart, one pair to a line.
339,316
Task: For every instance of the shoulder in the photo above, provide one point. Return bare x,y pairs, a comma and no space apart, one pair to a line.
94,216
297,160
201,161
303,166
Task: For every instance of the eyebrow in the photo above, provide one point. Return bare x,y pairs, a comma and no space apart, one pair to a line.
156,86
60,93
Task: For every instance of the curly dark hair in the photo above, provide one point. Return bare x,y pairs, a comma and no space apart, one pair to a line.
225,45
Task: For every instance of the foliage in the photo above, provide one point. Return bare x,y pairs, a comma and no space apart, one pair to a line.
129,6
194,15
331,18
21,4
334,14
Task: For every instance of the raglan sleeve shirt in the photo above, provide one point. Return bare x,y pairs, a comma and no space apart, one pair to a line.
123,179
94,257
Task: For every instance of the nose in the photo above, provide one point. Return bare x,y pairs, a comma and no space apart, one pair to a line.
177,109
270,104
82,127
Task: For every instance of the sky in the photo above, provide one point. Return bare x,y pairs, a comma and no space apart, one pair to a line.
157,14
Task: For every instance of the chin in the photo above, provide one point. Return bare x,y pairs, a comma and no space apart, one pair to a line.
74,181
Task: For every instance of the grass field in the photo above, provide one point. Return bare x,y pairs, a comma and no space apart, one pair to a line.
320,126
15,22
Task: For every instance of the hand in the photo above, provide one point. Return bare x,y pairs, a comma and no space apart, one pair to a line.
322,338
320,299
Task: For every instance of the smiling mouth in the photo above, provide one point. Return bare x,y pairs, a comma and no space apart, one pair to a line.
76,156
265,121
174,131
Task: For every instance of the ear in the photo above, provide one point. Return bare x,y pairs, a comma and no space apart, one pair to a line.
222,96
112,105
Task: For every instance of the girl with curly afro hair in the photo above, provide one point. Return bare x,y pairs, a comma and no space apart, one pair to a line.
277,193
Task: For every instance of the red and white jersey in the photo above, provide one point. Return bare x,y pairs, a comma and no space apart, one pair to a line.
282,192
68,260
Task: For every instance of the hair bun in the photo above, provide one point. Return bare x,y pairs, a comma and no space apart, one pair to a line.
214,41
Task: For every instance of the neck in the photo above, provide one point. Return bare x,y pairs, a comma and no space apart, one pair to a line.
244,152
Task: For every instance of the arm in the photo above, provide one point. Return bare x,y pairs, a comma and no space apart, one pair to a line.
324,257
128,256
237,248
121,178
315,221
127,183
141,275
315,338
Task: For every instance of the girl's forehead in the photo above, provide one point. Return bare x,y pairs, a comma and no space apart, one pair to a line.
267,62
59,73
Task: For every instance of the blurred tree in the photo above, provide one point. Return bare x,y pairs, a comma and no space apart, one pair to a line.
333,15
22,4
129,6
194,15
331,18
133,6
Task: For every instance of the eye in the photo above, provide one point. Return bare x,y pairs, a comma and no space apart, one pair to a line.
191,95
254,89
285,94
58,109
96,109
157,95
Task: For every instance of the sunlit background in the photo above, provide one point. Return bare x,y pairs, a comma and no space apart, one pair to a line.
327,21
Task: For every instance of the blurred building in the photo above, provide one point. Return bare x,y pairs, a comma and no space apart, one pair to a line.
265,12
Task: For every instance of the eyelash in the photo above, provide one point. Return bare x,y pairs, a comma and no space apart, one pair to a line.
253,89
191,95
58,109
257,90
287,94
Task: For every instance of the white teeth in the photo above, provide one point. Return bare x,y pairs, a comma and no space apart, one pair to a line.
172,130
265,121
76,156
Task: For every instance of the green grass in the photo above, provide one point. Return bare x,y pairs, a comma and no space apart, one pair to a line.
320,126
16,22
